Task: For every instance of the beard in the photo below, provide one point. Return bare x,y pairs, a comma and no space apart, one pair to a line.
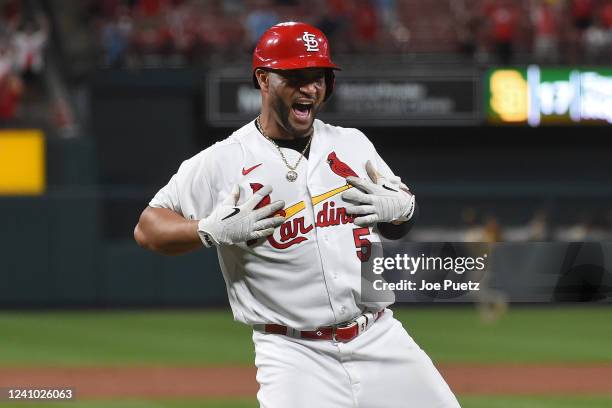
283,110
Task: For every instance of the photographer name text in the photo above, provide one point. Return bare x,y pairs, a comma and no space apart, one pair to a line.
406,285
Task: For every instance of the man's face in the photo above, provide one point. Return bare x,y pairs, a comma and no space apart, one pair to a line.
296,97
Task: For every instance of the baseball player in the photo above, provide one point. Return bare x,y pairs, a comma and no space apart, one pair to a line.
292,206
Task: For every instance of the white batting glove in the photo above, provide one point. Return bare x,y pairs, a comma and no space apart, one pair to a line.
230,223
379,200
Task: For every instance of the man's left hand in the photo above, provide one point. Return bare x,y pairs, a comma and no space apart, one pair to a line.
378,199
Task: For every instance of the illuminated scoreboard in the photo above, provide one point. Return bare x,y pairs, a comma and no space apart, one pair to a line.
536,95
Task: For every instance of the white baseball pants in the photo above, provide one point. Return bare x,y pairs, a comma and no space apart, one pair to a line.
381,368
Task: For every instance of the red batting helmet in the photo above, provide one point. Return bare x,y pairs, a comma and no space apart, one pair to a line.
294,45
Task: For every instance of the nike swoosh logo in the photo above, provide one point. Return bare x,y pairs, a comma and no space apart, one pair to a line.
389,188
236,211
250,169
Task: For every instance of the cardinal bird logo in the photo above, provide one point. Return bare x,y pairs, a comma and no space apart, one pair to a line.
339,167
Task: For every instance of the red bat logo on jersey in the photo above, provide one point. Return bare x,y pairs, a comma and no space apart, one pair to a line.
264,201
339,167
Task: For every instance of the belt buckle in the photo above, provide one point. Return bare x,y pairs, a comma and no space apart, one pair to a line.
345,325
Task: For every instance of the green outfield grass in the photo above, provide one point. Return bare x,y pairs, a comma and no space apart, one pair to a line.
523,335
233,403
536,402
466,402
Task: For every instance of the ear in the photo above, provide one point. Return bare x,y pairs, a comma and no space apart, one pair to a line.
262,79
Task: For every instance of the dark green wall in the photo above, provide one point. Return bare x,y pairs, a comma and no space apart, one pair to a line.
53,252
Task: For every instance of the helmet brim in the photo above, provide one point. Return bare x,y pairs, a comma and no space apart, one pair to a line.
294,65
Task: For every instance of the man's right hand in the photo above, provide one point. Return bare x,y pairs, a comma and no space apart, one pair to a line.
231,224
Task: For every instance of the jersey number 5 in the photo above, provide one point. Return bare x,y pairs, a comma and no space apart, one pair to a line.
363,245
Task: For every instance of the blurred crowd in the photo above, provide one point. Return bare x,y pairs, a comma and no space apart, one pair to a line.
549,31
486,226
200,28
23,38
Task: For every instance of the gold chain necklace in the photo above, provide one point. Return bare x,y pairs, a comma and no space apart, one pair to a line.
292,175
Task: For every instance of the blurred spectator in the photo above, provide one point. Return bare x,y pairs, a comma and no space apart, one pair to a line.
29,43
333,21
401,36
468,28
596,43
11,90
11,14
182,23
503,20
365,25
580,230
233,7
213,32
150,36
473,231
11,87
545,31
387,13
606,15
490,303
538,228
102,8
605,19
150,8
115,37
467,24
492,230
259,19
294,10
340,7
7,58
582,13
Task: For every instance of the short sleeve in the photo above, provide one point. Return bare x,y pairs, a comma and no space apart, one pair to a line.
188,192
168,196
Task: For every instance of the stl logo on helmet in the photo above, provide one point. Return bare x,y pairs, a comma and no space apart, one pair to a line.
310,42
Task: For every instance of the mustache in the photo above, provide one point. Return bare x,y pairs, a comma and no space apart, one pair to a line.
305,100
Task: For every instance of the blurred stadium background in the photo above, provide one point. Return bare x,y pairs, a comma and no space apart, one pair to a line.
495,112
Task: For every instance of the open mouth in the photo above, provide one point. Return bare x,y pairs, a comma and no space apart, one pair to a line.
302,110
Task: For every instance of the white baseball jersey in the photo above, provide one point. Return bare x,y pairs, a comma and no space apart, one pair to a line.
308,273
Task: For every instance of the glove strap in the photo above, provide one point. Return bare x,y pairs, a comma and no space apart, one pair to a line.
206,238
409,213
